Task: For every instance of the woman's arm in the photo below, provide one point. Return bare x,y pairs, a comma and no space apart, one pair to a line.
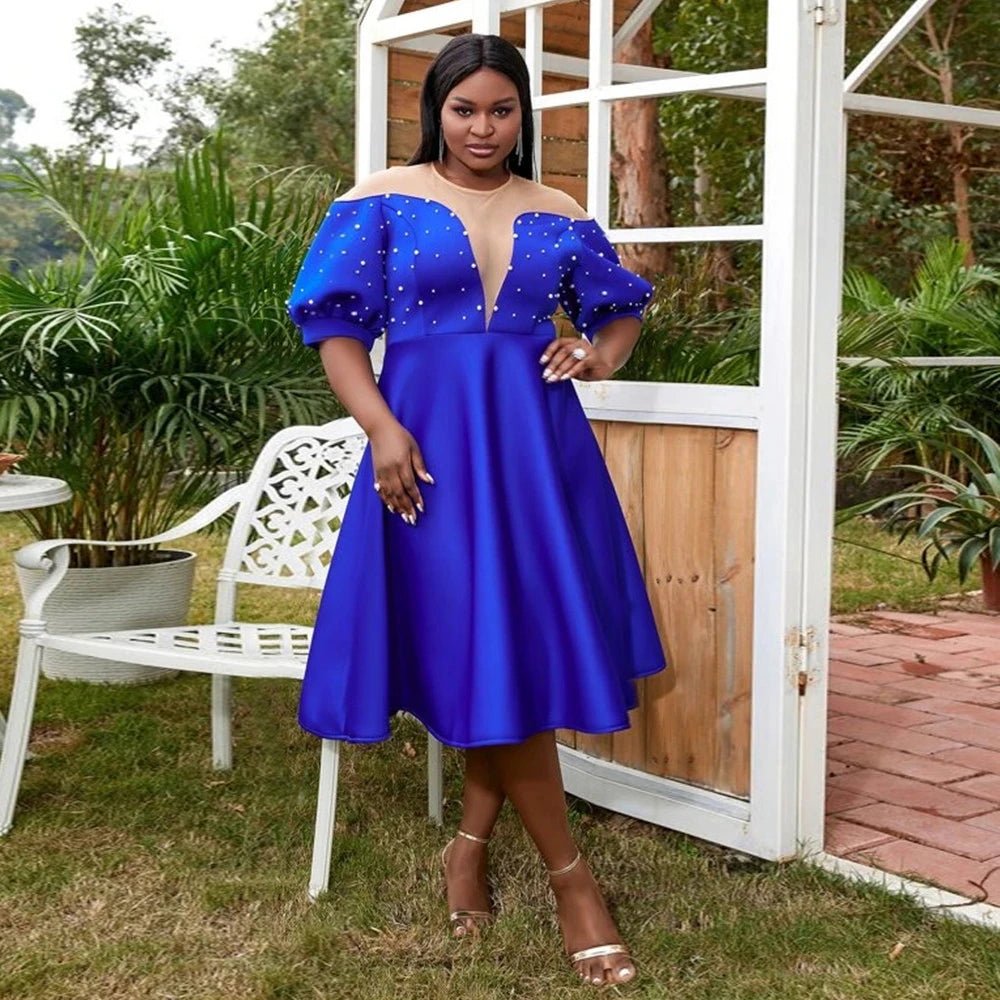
614,343
396,456
349,371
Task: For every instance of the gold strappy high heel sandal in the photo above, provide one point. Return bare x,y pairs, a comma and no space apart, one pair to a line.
457,918
600,950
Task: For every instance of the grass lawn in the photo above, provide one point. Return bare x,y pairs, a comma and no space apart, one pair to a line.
890,577
135,871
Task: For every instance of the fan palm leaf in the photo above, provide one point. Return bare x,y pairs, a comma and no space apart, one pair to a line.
161,353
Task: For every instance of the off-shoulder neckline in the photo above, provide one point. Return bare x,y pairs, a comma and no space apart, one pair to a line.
427,200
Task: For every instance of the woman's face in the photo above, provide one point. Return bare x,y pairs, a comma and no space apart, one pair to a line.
481,119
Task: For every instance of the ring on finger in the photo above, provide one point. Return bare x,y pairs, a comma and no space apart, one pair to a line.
579,353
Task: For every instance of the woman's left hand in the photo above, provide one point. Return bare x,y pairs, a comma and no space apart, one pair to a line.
560,363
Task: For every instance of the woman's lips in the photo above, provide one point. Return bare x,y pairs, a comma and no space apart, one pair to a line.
482,150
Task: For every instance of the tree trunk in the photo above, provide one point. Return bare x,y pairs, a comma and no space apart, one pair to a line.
639,166
717,262
959,160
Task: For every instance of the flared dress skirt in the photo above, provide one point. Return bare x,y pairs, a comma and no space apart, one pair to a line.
516,603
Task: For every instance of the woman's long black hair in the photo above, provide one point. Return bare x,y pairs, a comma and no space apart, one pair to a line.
461,57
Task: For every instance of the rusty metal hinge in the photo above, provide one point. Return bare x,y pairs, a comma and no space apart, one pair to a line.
801,644
823,11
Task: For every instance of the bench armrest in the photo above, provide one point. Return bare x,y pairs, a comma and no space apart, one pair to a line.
52,554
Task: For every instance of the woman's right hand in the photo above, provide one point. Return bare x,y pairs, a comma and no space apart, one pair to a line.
397,461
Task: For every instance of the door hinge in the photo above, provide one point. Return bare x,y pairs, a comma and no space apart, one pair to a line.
801,644
823,11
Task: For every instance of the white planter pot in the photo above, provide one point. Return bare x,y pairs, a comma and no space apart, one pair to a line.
155,595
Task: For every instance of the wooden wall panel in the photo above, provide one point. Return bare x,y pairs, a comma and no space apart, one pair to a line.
596,744
735,464
678,473
687,494
623,453
566,26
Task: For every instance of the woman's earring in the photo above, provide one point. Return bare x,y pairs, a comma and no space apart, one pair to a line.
519,148
441,144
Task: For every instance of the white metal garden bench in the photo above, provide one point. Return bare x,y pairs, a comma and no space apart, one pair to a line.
283,535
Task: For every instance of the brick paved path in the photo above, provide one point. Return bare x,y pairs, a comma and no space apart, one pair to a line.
913,776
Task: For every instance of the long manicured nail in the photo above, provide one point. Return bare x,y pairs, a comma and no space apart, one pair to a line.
430,478
420,507
544,358
546,373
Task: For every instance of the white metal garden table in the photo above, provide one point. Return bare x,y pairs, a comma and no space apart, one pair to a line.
22,492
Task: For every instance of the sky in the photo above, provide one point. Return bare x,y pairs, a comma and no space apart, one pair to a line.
37,56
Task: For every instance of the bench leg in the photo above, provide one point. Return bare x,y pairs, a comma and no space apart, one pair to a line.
222,726
326,813
435,781
22,706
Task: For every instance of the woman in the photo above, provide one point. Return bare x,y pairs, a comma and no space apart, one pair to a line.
499,598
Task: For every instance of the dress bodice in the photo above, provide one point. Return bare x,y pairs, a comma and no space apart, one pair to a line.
408,252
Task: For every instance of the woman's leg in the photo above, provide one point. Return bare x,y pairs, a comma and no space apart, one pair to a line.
465,860
529,774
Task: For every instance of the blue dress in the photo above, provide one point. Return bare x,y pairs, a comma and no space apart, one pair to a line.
516,603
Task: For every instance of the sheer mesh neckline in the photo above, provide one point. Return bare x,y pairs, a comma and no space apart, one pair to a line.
461,187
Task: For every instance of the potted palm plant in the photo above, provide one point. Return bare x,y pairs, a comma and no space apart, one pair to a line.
958,517
137,369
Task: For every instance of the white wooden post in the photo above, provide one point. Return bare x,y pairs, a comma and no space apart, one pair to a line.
826,229
792,349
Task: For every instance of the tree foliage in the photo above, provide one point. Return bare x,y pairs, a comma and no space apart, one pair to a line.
911,182
292,100
119,54
27,236
12,107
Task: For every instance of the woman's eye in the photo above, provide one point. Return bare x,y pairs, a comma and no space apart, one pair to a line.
503,112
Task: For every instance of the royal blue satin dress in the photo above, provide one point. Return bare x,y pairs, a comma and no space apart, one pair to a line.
516,603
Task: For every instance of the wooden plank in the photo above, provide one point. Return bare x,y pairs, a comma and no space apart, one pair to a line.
678,505
404,138
410,67
596,744
575,187
565,26
735,465
562,157
565,123
404,101
623,454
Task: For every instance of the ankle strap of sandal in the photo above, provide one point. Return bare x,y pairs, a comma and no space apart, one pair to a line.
470,836
565,868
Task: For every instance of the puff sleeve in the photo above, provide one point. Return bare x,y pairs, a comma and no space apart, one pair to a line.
596,289
340,290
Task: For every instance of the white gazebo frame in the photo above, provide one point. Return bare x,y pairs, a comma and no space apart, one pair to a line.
793,407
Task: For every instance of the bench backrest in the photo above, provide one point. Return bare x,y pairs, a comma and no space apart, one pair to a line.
286,527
